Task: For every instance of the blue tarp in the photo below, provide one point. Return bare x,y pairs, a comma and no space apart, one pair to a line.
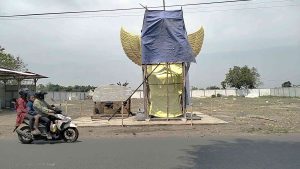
164,38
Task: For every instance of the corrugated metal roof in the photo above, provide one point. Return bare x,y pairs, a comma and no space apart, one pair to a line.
12,74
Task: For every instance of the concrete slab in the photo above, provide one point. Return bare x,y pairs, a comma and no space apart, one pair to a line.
131,121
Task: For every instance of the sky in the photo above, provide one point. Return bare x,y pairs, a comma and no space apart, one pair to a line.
85,49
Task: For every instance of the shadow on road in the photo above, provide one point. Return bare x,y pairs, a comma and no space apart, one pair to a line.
243,154
43,142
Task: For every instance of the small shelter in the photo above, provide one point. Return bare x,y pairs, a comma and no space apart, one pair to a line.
165,52
111,100
12,81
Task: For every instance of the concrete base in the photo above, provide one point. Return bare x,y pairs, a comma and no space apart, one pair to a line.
130,121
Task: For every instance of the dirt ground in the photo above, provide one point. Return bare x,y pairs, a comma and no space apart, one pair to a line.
246,116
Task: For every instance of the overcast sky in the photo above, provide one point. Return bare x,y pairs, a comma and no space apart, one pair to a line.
85,49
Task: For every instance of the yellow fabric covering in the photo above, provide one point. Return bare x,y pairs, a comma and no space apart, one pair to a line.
165,90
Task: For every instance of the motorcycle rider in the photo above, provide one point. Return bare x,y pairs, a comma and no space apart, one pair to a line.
21,106
44,109
32,115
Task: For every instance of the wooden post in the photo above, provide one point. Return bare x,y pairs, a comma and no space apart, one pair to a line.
145,91
66,106
35,81
80,107
122,111
191,114
184,91
211,106
167,91
60,97
19,84
4,81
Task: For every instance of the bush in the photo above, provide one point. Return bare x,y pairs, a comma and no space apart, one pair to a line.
213,96
219,95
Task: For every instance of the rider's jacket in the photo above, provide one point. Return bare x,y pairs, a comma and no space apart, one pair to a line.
21,110
41,107
30,108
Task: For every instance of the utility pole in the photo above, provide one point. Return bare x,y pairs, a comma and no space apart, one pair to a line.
164,4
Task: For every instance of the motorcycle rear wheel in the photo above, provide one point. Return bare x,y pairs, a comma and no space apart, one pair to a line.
70,134
23,139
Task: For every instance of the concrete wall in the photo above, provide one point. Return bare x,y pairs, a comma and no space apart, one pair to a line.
283,92
287,92
62,96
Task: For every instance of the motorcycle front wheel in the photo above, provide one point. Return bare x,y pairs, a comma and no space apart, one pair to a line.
70,134
25,139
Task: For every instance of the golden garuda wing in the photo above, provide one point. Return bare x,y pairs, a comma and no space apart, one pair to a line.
132,44
196,40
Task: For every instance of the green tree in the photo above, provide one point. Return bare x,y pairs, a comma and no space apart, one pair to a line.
223,84
41,87
56,87
286,84
242,77
194,88
53,87
9,61
212,88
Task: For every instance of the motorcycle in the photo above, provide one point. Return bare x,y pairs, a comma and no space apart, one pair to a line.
61,128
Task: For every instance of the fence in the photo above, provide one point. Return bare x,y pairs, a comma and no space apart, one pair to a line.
282,92
62,96
287,92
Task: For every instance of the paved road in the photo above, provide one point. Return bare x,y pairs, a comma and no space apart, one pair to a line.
156,153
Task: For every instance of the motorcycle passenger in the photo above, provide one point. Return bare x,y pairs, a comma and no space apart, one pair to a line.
21,106
33,116
43,108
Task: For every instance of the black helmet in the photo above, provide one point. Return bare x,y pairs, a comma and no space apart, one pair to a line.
31,93
40,94
24,92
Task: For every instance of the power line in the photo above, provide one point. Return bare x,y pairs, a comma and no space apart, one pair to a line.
118,9
247,8
250,3
135,15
